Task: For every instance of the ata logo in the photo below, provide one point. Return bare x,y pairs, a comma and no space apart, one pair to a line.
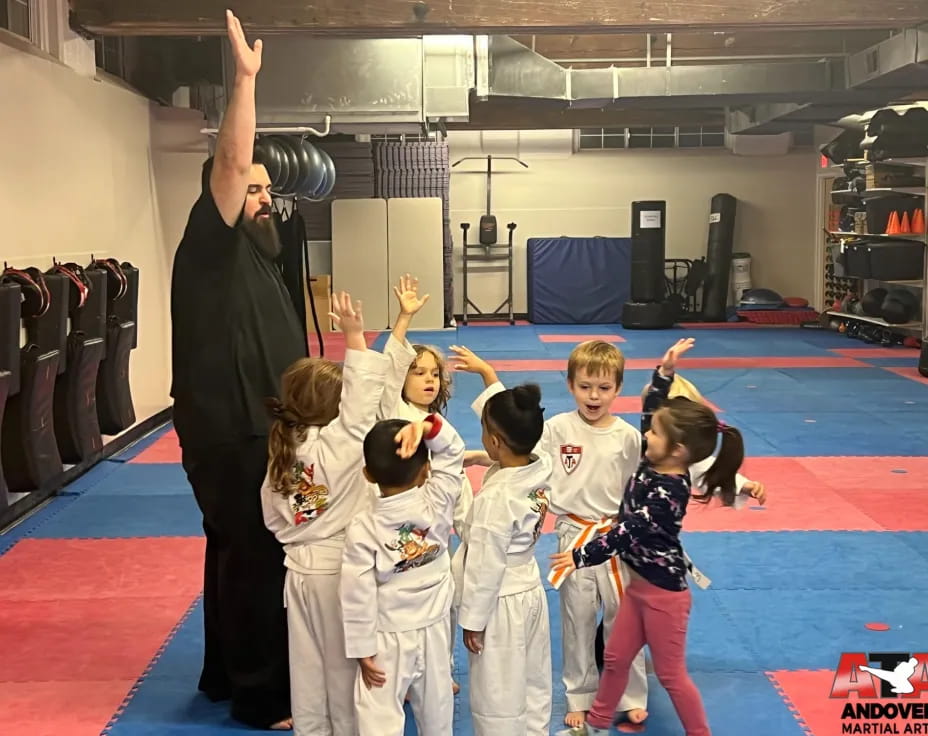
899,677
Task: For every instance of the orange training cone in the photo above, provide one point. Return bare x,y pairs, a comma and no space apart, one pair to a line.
892,227
905,227
918,222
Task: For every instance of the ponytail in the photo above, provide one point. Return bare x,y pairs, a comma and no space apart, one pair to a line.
286,433
721,476
695,426
310,392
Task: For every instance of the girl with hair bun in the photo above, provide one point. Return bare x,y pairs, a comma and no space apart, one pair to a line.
502,605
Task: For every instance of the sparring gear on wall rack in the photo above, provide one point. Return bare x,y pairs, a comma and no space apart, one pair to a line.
10,309
115,410
77,427
4,388
29,448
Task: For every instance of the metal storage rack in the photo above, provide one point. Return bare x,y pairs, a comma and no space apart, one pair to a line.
916,328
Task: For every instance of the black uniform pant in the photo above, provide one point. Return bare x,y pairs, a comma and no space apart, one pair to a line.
246,657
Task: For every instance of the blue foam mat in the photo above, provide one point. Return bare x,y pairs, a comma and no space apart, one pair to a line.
144,479
808,629
166,702
105,516
796,561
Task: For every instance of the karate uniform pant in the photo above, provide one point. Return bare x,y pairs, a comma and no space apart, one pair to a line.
582,595
322,678
416,664
510,680
245,625
461,508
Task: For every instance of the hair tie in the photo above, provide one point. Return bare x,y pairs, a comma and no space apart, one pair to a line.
721,427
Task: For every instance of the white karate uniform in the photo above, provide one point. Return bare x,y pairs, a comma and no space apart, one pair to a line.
500,592
396,593
311,525
590,467
401,356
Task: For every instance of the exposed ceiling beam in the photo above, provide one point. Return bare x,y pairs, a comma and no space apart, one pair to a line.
405,17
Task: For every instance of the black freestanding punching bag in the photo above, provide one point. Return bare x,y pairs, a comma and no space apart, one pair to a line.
923,360
647,309
718,258
649,233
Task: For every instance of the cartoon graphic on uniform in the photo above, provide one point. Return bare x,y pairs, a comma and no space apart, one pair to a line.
539,505
570,457
414,551
309,498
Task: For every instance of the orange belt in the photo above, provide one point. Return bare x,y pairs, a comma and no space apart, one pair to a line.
589,530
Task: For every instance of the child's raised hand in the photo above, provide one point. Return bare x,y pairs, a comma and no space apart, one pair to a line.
347,316
409,437
372,675
669,361
563,561
755,490
473,640
407,294
467,360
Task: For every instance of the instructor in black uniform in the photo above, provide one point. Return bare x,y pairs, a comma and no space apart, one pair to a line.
234,331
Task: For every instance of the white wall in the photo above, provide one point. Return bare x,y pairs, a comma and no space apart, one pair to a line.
590,193
88,167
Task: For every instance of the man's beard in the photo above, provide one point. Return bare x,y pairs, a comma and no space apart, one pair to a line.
262,231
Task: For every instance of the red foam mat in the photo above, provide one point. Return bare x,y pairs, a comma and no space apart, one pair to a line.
84,639
910,372
876,352
580,338
632,405
797,500
166,449
807,694
893,491
81,621
67,569
59,708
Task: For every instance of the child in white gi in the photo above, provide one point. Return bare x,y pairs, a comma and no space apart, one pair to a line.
419,384
313,489
396,586
503,609
593,454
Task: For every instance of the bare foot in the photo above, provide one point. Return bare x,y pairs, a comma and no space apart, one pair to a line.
455,688
632,721
575,718
285,725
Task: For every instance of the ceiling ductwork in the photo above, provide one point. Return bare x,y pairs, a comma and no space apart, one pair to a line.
877,76
397,85
517,71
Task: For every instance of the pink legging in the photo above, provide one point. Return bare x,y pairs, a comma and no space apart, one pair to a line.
656,617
